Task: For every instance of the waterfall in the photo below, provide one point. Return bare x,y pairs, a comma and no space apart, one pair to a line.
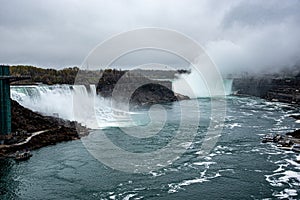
194,86
81,103
228,86
49,100
71,102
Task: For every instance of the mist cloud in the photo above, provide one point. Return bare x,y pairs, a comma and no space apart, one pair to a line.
238,35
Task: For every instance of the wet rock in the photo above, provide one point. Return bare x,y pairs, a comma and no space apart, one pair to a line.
270,87
295,134
138,90
25,122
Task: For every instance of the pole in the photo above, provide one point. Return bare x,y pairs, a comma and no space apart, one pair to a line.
5,105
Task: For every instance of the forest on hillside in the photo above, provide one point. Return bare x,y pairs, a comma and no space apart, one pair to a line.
45,76
72,74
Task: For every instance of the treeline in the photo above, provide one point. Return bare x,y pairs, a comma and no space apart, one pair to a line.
74,74
45,76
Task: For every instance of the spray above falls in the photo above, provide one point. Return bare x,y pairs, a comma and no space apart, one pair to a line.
194,86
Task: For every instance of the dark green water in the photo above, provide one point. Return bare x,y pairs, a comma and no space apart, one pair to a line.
238,167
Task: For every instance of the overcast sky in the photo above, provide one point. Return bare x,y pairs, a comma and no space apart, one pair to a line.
244,35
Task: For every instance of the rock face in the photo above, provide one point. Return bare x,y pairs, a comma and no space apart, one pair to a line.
25,122
151,94
136,89
24,119
275,89
258,87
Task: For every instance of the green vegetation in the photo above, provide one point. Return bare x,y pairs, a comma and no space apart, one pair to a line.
45,76
69,75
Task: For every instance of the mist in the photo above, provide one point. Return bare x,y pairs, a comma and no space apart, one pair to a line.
239,36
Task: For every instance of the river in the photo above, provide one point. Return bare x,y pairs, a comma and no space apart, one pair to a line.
238,166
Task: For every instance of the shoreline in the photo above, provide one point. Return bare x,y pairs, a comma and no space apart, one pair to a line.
296,133
31,130
40,139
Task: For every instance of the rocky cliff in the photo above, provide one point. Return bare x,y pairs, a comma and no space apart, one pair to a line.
269,87
25,123
136,88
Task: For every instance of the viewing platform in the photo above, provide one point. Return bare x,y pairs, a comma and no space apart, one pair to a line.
5,104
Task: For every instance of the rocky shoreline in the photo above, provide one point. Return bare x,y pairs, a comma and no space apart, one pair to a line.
31,130
276,88
270,87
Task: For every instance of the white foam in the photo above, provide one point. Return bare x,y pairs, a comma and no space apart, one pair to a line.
278,179
286,193
176,187
234,125
193,181
198,180
155,174
246,113
127,197
186,144
280,168
293,162
206,164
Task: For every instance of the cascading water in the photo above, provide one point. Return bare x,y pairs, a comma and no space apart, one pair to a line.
49,100
193,85
228,86
91,109
58,100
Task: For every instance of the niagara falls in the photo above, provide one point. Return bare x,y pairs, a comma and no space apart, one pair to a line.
160,99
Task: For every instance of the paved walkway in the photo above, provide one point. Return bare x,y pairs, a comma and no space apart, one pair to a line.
27,139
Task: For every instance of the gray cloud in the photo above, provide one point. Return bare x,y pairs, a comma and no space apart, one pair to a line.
259,36
238,35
